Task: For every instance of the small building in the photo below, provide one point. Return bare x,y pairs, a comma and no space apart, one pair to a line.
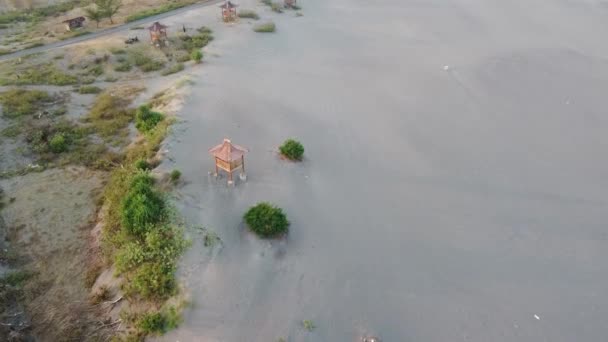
74,23
228,11
290,3
158,34
229,157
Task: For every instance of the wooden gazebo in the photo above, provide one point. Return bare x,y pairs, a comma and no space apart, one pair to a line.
228,11
158,33
229,157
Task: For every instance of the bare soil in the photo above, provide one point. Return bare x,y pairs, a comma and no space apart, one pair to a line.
48,225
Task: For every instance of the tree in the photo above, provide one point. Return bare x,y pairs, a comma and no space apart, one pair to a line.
94,14
108,8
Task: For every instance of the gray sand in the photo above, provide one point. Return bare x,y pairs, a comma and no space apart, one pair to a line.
433,205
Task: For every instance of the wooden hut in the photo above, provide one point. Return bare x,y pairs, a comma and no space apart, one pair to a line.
229,157
228,11
74,23
158,34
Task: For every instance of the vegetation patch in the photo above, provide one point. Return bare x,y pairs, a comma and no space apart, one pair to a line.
146,119
197,56
265,27
308,325
175,175
46,73
249,14
19,102
173,69
154,11
292,150
109,115
266,220
89,90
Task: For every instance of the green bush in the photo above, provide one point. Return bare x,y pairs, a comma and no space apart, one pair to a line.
197,56
152,281
248,14
142,207
146,119
292,149
265,28
159,322
58,143
142,164
175,175
152,323
89,90
173,69
266,220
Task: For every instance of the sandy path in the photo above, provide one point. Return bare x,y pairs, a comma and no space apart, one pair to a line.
433,205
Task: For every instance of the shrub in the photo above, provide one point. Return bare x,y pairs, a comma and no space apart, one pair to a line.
58,143
123,67
173,69
292,149
265,28
276,7
146,119
248,14
159,322
152,66
308,325
197,56
142,206
15,278
152,281
266,220
175,175
152,323
89,90
142,164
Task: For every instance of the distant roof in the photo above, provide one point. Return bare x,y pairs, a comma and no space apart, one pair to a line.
228,5
157,27
81,19
227,151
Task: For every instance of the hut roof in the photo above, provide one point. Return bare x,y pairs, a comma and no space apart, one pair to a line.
228,151
228,5
157,27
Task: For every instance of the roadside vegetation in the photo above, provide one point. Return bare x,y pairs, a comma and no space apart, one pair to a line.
158,10
266,220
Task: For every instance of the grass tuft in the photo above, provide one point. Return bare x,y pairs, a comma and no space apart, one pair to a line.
265,27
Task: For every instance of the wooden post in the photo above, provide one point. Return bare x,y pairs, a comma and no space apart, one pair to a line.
243,164
216,170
